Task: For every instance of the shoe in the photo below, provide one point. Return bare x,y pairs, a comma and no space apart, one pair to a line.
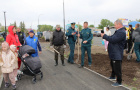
81,66
7,85
72,63
14,87
116,84
112,78
137,61
68,61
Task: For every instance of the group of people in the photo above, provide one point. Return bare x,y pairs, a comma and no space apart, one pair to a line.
9,61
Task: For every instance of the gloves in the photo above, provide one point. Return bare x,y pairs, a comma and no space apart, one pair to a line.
51,46
64,46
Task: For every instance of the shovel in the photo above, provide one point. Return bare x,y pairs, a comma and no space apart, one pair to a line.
129,56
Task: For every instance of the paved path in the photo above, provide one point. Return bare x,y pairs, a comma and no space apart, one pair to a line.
68,77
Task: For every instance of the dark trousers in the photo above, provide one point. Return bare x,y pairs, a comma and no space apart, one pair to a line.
71,56
116,66
129,45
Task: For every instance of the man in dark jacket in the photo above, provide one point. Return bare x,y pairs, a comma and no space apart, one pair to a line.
21,36
59,42
130,32
136,39
115,50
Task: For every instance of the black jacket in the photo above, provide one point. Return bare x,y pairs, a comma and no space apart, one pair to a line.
21,37
116,44
58,38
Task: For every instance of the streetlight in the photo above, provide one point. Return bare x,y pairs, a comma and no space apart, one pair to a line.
64,15
5,22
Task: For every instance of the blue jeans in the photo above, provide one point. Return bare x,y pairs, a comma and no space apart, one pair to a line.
88,49
137,50
71,56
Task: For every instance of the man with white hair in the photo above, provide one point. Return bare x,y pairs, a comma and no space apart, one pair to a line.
115,50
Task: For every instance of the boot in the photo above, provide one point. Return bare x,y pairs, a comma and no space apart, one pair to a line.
63,62
56,62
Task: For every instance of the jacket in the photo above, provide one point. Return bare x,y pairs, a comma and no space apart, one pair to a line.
58,38
21,37
71,38
116,44
15,65
87,35
34,43
8,60
130,32
12,38
136,35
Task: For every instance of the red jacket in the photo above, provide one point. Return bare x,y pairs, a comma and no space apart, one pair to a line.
12,38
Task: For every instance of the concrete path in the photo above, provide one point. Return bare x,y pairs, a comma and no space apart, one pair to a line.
68,77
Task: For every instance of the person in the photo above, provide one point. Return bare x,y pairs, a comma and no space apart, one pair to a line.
4,36
136,39
71,34
12,39
13,48
7,61
59,42
86,36
130,31
108,32
115,50
21,36
32,41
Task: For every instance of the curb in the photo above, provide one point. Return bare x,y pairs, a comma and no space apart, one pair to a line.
1,79
96,73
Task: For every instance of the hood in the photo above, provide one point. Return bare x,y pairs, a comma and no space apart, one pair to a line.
12,47
10,29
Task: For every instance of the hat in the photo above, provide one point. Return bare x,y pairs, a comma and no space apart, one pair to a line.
57,26
73,23
31,31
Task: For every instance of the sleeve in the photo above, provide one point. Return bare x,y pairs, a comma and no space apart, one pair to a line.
115,38
64,38
8,39
13,58
51,40
24,38
133,36
69,33
90,36
81,35
39,46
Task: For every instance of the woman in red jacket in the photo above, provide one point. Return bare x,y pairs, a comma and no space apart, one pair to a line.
12,39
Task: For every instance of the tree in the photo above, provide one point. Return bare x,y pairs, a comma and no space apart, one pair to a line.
15,24
22,26
0,24
91,25
45,28
105,23
138,20
80,27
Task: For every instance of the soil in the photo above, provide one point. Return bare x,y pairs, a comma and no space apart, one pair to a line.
101,64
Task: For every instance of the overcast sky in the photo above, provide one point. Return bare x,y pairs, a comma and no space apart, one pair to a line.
75,11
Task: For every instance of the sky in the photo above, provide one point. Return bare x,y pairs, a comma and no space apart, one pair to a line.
50,12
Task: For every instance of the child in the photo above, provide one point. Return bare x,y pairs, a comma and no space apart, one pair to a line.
7,61
15,65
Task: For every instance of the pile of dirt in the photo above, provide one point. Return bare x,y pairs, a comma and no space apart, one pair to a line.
130,69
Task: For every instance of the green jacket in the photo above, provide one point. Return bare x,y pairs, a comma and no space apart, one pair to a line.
71,38
86,35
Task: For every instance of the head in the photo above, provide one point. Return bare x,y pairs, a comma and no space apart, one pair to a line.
85,25
31,33
137,26
130,26
5,46
73,25
18,29
107,29
118,24
14,30
13,48
58,27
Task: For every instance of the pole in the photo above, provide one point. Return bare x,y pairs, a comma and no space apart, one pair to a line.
5,22
64,15
78,44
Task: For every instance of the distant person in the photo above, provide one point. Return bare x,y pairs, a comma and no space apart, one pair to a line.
115,50
130,31
71,34
32,41
4,36
136,39
21,36
86,36
108,33
59,42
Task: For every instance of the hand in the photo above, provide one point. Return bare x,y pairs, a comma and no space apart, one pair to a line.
40,52
78,35
84,41
73,33
102,34
64,46
51,46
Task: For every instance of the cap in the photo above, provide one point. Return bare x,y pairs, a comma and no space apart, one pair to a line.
31,31
57,26
73,23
